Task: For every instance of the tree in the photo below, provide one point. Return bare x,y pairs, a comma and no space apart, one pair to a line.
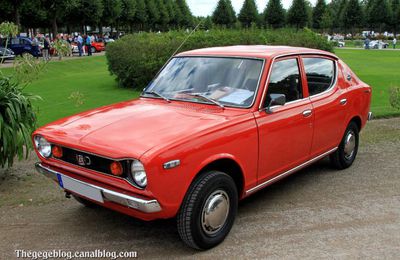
327,20
297,14
186,17
153,13
164,16
352,16
56,10
112,12
274,14
140,17
337,7
248,14
85,12
128,13
224,14
380,14
317,14
395,17
170,6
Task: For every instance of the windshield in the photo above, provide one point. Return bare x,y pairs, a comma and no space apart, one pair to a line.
213,80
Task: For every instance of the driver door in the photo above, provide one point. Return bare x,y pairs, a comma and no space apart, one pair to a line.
285,133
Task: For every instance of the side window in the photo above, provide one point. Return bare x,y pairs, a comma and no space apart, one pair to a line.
285,79
15,41
320,74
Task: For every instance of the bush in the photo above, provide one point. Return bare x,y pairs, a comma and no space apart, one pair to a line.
394,97
136,58
17,121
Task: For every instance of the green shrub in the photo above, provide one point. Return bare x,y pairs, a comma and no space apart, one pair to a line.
17,121
136,58
394,97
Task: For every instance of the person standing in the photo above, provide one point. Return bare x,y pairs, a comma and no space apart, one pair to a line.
46,48
80,42
394,42
89,45
366,43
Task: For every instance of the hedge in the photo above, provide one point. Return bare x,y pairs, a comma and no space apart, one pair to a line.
136,58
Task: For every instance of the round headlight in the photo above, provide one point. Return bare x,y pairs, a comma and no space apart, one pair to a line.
43,147
138,174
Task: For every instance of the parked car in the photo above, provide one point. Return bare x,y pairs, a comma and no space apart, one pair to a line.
98,46
339,44
6,54
213,127
378,45
23,45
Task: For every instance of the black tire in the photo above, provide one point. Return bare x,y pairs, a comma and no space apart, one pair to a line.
93,49
85,202
341,159
191,228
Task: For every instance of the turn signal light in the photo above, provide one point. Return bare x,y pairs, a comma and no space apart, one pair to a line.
57,151
116,168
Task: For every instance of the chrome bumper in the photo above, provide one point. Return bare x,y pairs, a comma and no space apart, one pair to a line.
369,116
147,206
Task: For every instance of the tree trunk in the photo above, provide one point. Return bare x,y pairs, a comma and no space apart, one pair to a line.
54,27
17,16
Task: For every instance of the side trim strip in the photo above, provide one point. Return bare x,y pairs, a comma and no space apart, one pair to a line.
289,172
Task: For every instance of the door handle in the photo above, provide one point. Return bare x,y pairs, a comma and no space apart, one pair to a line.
307,113
343,101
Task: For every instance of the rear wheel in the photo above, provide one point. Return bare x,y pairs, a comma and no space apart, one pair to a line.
93,49
208,210
85,202
346,153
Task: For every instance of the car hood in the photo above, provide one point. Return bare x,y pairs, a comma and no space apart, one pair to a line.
129,129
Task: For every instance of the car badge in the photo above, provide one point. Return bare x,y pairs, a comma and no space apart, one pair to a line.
83,160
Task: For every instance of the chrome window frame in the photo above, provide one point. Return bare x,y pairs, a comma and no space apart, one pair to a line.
294,55
333,83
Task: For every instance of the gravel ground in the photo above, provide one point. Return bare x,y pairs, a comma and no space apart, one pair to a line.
317,213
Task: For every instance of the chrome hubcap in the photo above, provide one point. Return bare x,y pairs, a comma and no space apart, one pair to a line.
215,212
349,145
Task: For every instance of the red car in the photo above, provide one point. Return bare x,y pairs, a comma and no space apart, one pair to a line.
98,47
213,127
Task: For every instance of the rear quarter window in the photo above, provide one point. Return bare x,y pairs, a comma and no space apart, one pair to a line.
320,73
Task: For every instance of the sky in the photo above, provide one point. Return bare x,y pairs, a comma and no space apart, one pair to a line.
206,7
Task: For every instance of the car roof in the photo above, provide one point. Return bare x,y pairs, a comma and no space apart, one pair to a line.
255,51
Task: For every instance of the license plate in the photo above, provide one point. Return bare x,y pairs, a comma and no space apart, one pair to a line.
80,188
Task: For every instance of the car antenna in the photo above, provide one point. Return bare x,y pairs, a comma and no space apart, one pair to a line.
187,38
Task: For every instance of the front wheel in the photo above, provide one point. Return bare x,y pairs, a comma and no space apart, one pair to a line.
346,153
93,49
208,210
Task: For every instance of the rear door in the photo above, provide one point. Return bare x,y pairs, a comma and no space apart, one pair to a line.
328,100
285,135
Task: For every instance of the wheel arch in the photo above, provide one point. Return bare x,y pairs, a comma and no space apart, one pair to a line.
357,120
227,164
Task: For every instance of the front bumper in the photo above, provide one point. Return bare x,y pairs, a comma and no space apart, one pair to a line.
7,57
146,206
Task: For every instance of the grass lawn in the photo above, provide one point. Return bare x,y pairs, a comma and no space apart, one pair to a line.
378,68
89,76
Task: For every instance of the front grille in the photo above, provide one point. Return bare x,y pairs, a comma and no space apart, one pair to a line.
90,161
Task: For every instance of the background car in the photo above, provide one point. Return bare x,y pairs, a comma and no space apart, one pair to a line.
98,46
6,54
23,45
378,45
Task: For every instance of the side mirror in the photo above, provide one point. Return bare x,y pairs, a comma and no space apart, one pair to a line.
276,100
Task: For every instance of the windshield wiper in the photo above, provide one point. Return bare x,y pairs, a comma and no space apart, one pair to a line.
206,98
155,93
